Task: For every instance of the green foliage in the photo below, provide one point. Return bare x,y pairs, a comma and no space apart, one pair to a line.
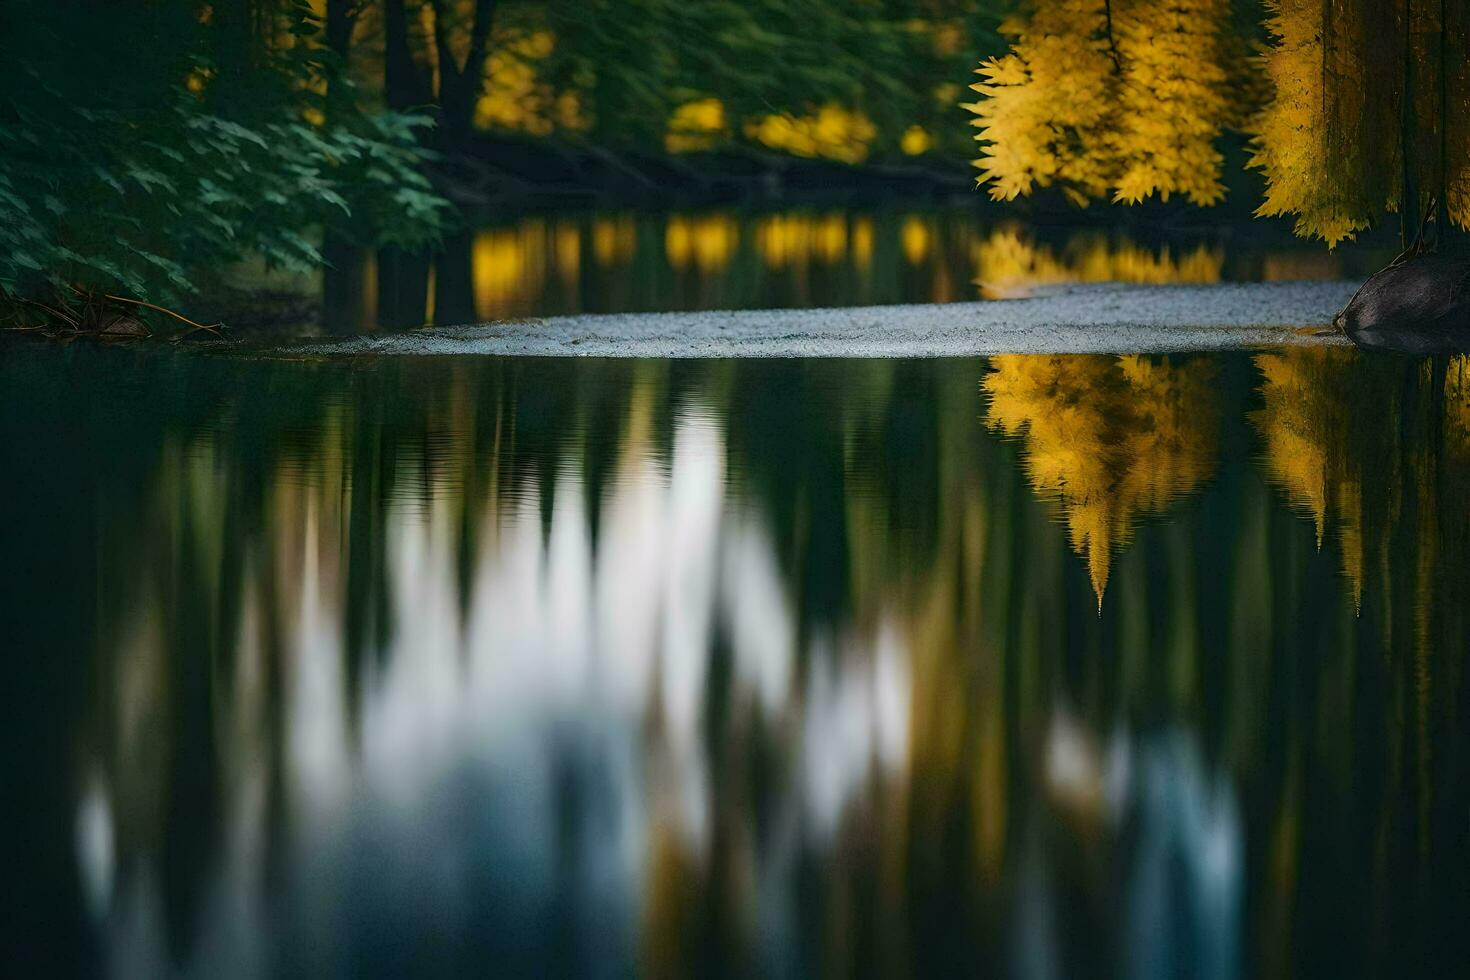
200,153
632,63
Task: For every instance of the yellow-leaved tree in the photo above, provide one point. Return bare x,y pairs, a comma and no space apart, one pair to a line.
1371,114
1173,101
1108,97
1045,107
1364,106
1312,140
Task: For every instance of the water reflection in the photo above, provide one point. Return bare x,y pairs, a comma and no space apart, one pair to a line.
1112,437
728,667
543,265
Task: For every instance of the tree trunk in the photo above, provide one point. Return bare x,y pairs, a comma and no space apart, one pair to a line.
404,85
341,19
454,280
460,85
1409,204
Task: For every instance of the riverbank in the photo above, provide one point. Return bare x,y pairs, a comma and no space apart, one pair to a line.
1105,318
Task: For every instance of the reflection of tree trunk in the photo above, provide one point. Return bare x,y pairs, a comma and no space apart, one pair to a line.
586,299
403,288
454,281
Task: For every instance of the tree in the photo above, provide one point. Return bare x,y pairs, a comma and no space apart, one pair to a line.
1368,111
135,171
1108,96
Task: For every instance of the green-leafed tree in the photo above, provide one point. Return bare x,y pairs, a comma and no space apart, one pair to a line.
143,144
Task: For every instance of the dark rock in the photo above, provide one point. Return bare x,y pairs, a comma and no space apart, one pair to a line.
1420,306
122,327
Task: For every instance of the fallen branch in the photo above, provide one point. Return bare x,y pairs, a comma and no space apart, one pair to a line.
75,323
177,316
214,329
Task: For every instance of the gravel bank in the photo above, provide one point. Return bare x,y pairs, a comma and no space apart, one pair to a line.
1077,319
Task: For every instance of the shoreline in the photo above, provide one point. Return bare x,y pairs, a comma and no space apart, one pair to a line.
1075,319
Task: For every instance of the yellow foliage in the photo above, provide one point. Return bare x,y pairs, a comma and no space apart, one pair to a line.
862,242
1110,438
1308,453
915,141
697,125
1135,111
516,98
1292,145
1008,265
784,240
913,238
614,240
948,37
1045,106
1173,100
832,132
508,267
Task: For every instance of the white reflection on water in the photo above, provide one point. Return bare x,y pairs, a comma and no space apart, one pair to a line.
517,759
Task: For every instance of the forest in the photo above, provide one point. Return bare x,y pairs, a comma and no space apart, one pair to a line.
132,172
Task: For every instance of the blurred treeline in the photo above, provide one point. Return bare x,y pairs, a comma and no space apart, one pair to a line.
147,144
815,78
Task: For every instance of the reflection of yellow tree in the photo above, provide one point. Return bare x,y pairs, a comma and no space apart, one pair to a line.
1009,263
1305,427
1357,446
794,239
1111,437
708,241
1457,406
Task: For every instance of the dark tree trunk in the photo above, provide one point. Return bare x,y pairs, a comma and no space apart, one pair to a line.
460,85
341,18
404,84
1409,204
454,281
403,288
1453,33
342,276
344,283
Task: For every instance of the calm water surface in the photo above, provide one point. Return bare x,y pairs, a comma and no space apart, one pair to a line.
796,257
1028,666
